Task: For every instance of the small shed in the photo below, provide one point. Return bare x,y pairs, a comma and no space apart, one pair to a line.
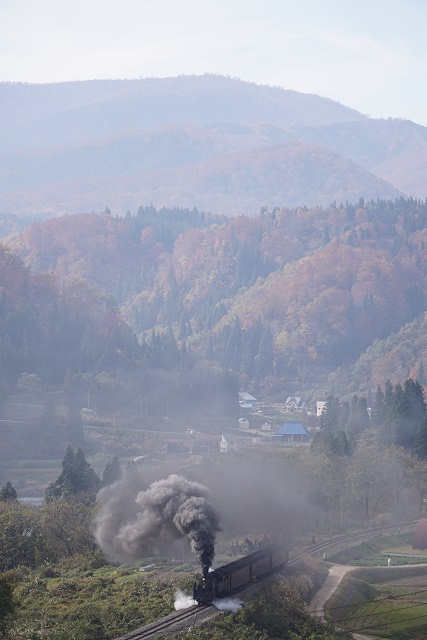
291,431
243,423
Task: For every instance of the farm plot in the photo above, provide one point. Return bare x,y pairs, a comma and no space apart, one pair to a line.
389,603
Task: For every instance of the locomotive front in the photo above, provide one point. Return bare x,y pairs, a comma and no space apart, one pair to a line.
204,589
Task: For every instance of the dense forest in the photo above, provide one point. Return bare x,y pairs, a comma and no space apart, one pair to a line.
284,299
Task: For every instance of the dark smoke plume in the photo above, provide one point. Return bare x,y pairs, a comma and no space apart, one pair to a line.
129,520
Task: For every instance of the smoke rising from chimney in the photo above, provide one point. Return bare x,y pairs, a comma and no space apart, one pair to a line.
130,520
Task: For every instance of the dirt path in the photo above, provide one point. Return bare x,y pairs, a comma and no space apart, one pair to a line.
335,575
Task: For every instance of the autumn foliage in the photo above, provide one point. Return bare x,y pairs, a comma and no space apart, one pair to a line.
265,296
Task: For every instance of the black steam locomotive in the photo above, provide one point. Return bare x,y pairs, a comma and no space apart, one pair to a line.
235,576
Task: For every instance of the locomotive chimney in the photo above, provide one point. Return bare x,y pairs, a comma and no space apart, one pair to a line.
205,571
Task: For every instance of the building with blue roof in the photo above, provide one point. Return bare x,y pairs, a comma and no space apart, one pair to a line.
291,431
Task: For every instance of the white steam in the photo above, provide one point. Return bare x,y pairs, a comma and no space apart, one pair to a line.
183,601
231,605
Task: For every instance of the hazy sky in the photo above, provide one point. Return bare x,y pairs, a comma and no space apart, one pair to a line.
367,54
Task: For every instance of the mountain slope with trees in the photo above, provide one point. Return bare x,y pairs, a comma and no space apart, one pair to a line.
220,144
393,149
281,299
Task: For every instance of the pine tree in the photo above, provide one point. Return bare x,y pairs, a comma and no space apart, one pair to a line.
85,478
419,447
408,411
112,472
329,420
7,603
8,493
387,425
379,407
77,478
264,359
340,444
359,417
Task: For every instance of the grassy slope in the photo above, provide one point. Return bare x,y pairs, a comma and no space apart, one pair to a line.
388,606
102,602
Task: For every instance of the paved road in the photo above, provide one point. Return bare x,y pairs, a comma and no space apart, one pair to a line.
335,575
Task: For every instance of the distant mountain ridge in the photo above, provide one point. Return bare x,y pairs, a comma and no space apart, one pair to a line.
208,141
68,112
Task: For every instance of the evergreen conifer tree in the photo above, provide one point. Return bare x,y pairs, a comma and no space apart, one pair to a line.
329,420
112,472
8,493
7,603
77,478
408,411
419,447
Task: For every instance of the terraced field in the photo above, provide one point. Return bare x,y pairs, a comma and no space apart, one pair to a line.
382,602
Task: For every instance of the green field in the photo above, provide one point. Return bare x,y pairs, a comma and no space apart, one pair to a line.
385,603
375,552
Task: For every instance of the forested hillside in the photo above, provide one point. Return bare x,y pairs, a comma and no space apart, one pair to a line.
221,144
283,299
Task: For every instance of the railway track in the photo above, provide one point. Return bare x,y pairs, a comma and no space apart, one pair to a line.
347,539
190,617
172,623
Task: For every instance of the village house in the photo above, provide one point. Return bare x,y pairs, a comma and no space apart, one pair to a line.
320,405
228,443
267,409
205,444
246,401
291,431
295,404
267,425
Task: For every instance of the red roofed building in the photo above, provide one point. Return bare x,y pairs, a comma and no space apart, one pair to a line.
419,540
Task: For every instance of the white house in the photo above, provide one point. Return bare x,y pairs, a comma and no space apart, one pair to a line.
320,405
227,444
294,404
243,423
246,401
267,425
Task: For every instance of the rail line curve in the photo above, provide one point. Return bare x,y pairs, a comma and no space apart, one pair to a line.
192,616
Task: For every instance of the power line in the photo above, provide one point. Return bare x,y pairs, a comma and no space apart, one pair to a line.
368,615
385,624
358,604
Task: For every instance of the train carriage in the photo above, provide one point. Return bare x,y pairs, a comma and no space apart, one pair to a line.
260,567
236,575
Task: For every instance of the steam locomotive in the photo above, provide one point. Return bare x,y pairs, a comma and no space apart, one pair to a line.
235,576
